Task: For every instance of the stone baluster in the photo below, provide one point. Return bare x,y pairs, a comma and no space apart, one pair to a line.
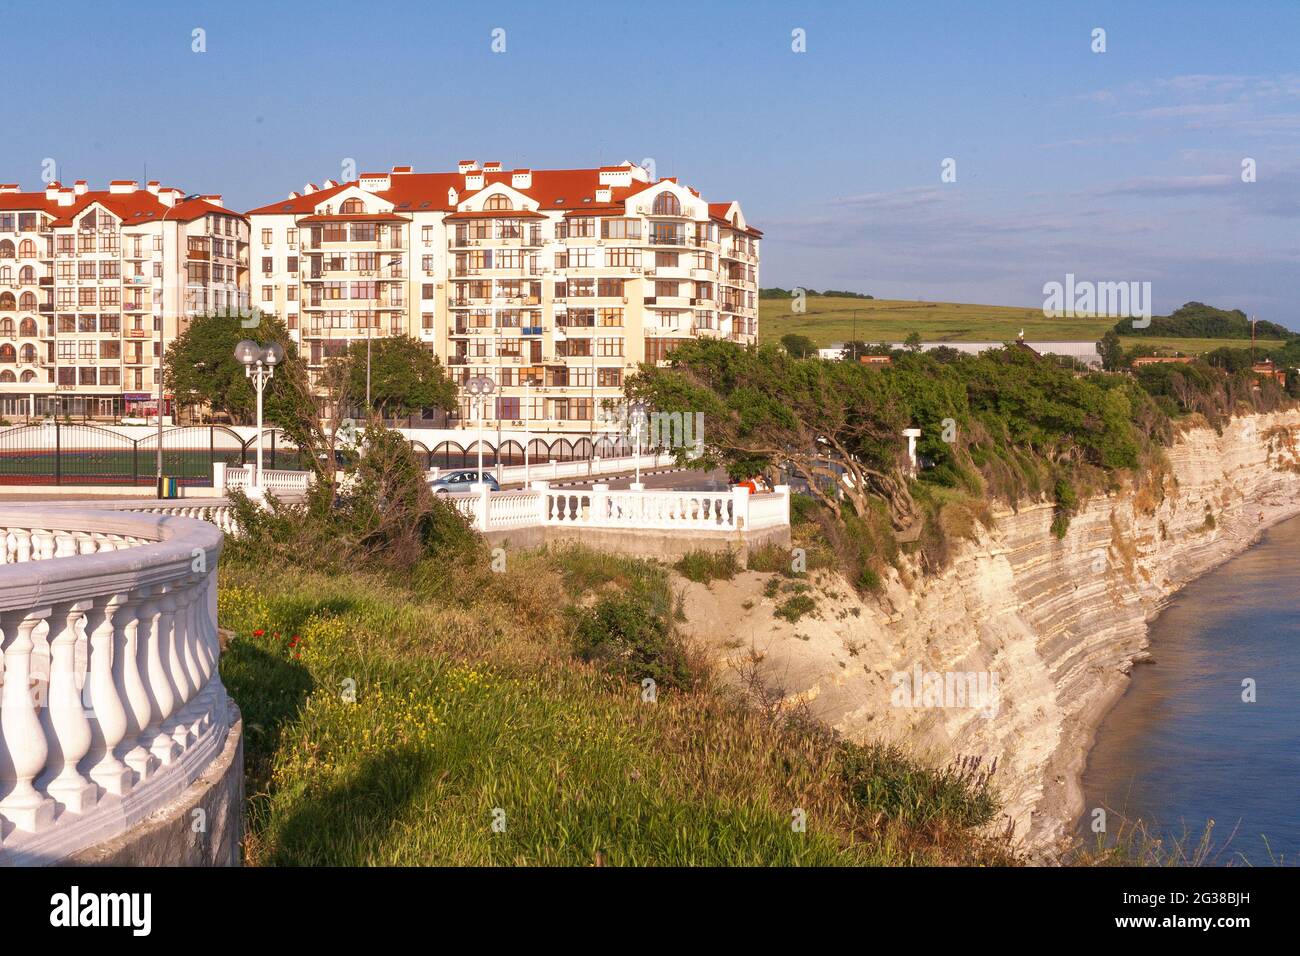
109,724
183,723
169,635
130,630
23,749
67,726
162,698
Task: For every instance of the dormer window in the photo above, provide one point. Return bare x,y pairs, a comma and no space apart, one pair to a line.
666,204
499,202
352,207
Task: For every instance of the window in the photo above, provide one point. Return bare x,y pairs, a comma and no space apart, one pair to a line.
268,265
292,263
610,348
609,377
620,228
623,257
666,204
658,350
427,290
352,207
268,293
292,237
266,237
498,202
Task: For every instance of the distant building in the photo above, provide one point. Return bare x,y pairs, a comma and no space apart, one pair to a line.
1266,369
881,360
1162,360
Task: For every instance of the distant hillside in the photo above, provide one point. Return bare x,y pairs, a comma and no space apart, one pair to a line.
776,293
1196,320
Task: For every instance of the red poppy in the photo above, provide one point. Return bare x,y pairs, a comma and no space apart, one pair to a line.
259,632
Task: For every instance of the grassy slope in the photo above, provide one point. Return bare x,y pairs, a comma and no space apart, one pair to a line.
831,320
468,698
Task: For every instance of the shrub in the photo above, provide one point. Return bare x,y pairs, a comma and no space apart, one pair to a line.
630,638
795,607
705,566
881,779
770,558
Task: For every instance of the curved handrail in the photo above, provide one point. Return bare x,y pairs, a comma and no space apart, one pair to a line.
112,700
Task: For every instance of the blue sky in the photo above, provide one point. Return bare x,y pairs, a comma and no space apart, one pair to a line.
1115,166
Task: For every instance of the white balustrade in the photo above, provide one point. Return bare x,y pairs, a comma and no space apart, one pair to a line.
111,702
599,507
278,483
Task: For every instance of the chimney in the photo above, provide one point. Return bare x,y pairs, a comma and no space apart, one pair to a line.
402,169
522,179
8,187
308,189
491,167
467,166
474,180
153,186
67,196
121,187
52,191
169,196
80,187
604,194
328,184
215,199
453,197
295,194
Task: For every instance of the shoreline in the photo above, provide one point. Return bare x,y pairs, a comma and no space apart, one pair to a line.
1078,745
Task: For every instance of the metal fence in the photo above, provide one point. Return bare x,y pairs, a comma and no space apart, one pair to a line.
58,453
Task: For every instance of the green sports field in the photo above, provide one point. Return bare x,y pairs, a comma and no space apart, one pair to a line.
830,320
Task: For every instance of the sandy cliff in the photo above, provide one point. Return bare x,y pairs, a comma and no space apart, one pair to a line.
1059,622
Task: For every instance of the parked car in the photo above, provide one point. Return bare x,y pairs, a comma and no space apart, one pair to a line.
459,482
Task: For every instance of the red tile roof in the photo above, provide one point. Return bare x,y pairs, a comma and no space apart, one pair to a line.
132,208
552,189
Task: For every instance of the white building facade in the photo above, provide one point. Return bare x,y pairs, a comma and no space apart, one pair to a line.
90,283
554,284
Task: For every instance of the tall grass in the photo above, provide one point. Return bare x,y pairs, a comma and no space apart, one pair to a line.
446,719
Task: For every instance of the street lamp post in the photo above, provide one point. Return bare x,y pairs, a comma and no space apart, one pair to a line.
480,387
259,365
637,416
528,428
162,333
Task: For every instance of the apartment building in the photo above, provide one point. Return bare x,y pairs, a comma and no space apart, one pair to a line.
90,280
554,284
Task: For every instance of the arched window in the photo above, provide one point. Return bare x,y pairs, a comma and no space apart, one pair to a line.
352,207
28,302
27,275
27,354
7,377
8,354
499,202
27,327
6,274
27,376
7,327
666,204
6,249
27,249
7,302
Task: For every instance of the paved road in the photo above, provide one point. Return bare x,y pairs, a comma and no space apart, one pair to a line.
685,479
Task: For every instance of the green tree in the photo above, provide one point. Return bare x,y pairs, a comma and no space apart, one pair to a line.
799,346
405,376
200,368
913,342
1111,352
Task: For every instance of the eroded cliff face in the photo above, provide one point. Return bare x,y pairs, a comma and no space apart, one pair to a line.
1060,622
